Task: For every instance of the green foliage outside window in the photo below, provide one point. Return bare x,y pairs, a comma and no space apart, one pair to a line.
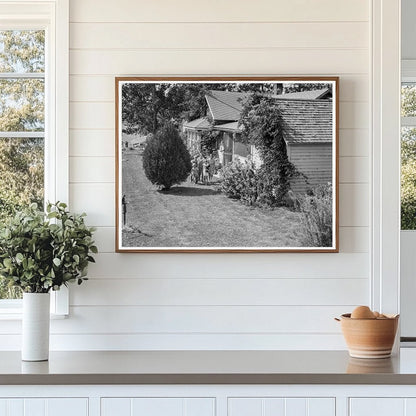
408,160
21,110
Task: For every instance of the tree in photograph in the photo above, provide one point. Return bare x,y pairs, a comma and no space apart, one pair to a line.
166,160
146,107
263,127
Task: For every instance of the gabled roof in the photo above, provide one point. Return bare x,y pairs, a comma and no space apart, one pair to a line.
198,124
225,105
307,121
306,95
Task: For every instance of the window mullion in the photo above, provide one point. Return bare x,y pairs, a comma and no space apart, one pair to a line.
408,121
23,134
22,75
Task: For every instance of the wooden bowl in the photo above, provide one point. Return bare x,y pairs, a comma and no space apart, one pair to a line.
369,338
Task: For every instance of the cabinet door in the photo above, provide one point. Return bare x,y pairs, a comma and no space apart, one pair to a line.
258,406
160,406
378,406
44,407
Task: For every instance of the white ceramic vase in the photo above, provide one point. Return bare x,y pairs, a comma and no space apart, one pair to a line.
35,326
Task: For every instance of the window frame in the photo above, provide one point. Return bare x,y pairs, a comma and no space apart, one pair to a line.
53,17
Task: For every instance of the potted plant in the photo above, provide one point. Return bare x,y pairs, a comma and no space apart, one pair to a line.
40,252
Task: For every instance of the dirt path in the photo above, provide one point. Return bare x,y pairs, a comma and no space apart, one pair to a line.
192,215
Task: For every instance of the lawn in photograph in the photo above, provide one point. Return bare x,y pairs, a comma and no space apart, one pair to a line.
226,164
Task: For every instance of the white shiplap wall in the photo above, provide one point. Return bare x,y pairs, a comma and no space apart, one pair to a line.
248,301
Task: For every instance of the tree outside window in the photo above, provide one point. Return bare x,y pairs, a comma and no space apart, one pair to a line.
22,124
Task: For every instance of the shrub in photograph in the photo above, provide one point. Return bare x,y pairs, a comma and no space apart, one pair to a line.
240,182
316,207
166,160
252,187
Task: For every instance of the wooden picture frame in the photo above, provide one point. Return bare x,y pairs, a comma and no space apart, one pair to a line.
226,143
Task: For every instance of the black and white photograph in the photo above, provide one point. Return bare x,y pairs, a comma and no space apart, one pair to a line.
227,165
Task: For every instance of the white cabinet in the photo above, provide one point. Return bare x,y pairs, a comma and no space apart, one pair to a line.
281,406
44,407
378,406
159,406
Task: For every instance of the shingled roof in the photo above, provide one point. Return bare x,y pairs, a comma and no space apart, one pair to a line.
225,105
307,95
307,121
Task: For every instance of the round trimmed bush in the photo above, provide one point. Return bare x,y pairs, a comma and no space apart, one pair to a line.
166,160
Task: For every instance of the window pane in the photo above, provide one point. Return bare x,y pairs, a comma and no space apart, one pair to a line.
409,100
22,51
21,183
408,144
408,178
22,105
21,173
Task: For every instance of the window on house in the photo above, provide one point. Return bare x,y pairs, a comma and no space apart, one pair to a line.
408,156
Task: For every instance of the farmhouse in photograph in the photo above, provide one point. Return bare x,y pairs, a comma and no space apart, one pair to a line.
308,132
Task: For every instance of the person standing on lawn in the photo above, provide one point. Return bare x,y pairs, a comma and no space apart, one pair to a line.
211,169
124,205
200,168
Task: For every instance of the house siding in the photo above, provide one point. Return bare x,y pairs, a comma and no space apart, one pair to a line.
314,160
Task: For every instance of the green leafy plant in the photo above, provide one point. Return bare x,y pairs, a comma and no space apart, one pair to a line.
43,251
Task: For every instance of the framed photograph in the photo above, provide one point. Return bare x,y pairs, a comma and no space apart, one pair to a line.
227,164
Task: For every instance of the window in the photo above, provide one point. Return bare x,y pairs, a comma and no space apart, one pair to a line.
33,113
22,124
408,155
